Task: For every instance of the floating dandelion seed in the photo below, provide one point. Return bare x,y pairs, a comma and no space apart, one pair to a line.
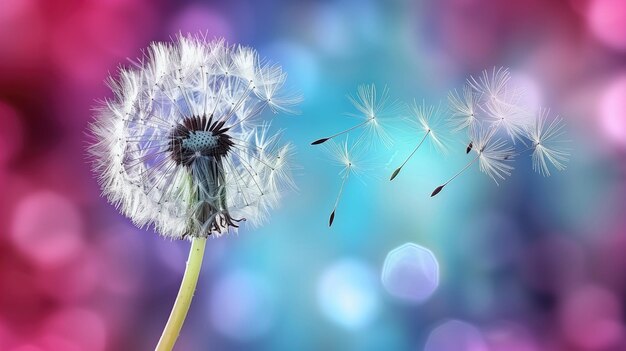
492,85
180,146
548,143
489,99
492,155
351,160
374,111
429,120
507,114
490,104
464,108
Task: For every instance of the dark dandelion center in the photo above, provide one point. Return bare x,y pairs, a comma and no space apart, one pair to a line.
200,144
198,137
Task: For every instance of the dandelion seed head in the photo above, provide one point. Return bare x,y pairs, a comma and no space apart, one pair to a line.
182,146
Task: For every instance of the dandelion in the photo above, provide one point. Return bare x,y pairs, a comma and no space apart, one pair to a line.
352,162
430,122
493,156
373,111
181,147
548,143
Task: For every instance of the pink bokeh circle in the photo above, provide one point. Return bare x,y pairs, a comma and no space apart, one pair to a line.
607,21
47,229
22,37
590,318
612,110
74,329
92,37
73,280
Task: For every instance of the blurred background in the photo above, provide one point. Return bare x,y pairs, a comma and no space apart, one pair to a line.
533,264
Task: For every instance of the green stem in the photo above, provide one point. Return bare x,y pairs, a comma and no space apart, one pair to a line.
185,294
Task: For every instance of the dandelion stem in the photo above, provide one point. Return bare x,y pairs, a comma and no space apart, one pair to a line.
395,173
323,140
343,182
439,188
185,294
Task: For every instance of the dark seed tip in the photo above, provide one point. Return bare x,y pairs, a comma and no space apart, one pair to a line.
469,147
437,190
331,219
395,173
319,141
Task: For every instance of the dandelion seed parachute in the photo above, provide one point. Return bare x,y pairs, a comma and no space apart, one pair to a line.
548,143
490,104
430,123
493,156
507,114
493,84
375,110
491,98
464,108
352,162
181,145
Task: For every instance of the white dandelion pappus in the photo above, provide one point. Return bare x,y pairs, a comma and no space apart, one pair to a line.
351,159
508,114
180,147
493,156
491,98
429,121
375,112
548,143
464,109
491,85
501,102
490,105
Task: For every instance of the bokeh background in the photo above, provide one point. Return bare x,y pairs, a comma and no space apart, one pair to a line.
533,264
